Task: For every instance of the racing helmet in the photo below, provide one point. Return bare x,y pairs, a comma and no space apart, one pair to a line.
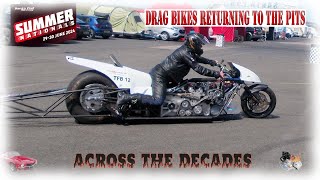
195,41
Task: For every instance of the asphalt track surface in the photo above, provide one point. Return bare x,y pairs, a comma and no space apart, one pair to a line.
283,65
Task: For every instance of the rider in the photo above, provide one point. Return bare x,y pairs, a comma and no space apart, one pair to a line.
173,69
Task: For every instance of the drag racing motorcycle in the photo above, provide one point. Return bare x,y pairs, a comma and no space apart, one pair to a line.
95,93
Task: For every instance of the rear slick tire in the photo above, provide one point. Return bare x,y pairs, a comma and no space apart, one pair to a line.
76,108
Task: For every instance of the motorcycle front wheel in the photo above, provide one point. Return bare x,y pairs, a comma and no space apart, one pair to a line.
259,104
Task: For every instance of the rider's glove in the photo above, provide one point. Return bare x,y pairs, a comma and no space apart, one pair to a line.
216,74
213,63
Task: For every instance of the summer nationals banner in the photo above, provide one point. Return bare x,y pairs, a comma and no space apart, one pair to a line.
218,17
35,24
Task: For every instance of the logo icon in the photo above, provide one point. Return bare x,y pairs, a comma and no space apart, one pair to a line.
289,162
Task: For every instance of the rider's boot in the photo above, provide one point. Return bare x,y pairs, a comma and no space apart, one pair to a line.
125,100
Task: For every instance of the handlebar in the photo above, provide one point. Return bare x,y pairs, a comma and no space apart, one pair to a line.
223,68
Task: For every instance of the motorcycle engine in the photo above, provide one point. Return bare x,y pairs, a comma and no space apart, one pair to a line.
193,99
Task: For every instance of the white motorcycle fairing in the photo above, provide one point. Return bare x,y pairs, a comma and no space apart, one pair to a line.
247,75
123,77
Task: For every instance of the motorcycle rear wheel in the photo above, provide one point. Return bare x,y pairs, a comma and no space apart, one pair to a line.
75,104
251,107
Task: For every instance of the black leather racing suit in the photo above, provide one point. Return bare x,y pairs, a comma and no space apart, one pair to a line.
173,69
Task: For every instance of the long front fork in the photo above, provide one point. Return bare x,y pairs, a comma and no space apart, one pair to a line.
229,96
